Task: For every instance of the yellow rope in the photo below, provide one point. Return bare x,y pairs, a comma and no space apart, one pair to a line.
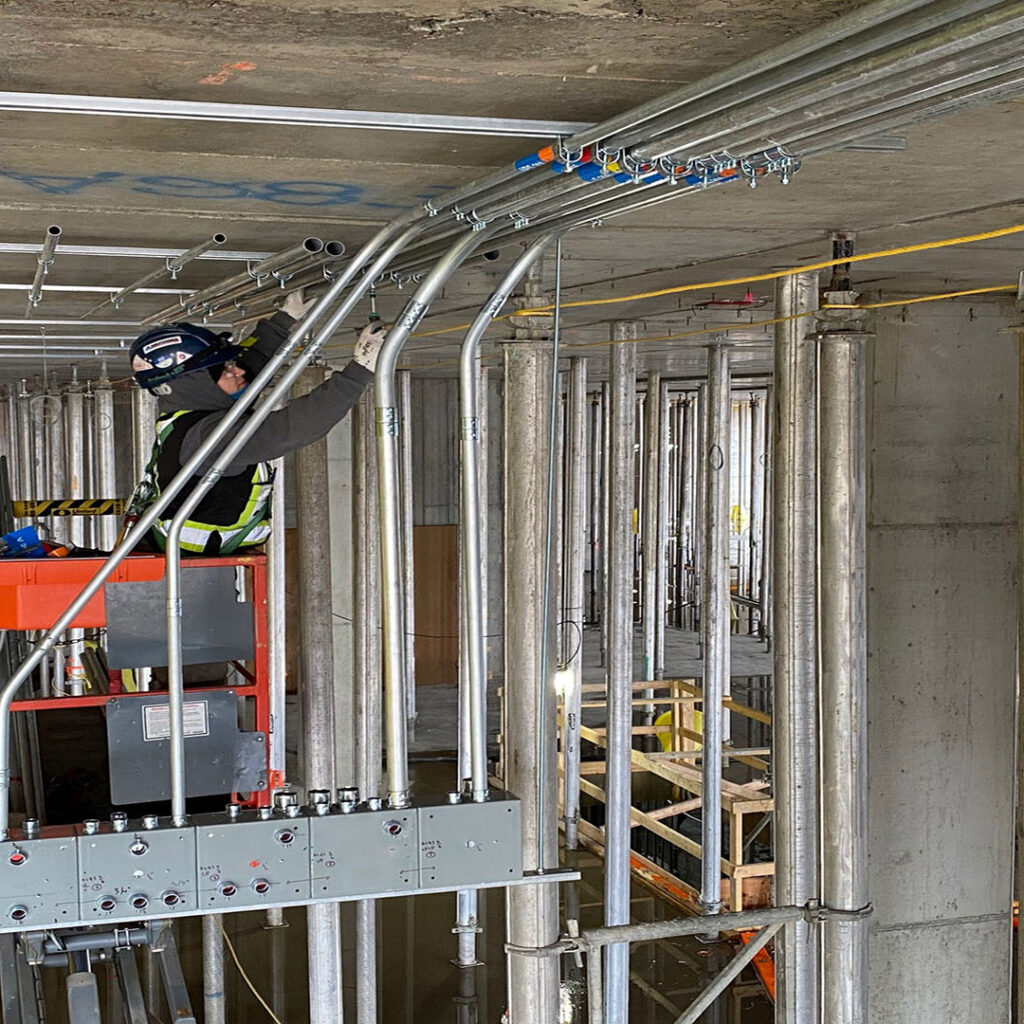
923,298
773,276
776,274
245,977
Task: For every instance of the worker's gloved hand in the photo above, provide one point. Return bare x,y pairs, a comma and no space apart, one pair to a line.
295,305
368,347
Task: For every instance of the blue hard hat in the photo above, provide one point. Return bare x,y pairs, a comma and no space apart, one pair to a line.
163,353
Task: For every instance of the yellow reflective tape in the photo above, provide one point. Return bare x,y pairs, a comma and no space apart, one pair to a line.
69,507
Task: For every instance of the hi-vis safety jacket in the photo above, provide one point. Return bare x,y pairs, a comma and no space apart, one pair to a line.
235,511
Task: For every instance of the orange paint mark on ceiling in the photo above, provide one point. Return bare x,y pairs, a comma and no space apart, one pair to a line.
227,71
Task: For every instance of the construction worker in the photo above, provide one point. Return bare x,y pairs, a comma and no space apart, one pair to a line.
196,376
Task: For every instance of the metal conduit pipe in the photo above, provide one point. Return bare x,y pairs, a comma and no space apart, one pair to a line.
395,681
836,32
214,1001
649,529
43,263
473,621
833,32
794,663
903,115
224,428
661,535
171,266
287,257
405,476
842,461
956,76
578,546
105,483
267,291
75,438
946,31
714,618
619,775
213,474
366,672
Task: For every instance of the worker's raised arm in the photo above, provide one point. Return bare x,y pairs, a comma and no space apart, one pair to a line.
303,420
268,335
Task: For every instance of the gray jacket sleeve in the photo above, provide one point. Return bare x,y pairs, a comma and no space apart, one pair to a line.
302,421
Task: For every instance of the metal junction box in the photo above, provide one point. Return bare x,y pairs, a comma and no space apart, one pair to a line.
246,860
39,881
364,852
470,844
143,874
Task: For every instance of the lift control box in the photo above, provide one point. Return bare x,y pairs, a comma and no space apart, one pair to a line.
251,858
39,881
136,873
364,853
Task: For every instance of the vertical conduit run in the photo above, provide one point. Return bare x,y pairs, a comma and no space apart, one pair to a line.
323,920
577,543
618,780
606,452
144,413
661,533
649,530
842,459
366,667
404,383
214,1002
532,910
755,539
715,618
74,432
794,665
106,477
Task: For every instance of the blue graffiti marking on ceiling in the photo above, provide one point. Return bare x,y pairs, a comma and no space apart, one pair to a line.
288,193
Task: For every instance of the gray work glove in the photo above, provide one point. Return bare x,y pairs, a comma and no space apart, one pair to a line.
295,305
369,344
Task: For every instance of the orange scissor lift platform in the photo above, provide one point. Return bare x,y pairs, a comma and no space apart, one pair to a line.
35,592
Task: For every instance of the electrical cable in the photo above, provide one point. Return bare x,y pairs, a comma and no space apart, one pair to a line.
245,977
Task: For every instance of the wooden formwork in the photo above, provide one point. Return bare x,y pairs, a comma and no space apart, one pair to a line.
742,884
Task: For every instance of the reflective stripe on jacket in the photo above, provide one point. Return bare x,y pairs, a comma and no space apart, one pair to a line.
235,512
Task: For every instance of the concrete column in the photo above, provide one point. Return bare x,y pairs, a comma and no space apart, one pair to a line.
942,557
316,692
619,678
795,710
532,910
715,616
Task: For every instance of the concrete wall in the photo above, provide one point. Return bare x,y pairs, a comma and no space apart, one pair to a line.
942,555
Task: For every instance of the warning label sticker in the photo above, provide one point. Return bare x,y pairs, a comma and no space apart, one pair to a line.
156,720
